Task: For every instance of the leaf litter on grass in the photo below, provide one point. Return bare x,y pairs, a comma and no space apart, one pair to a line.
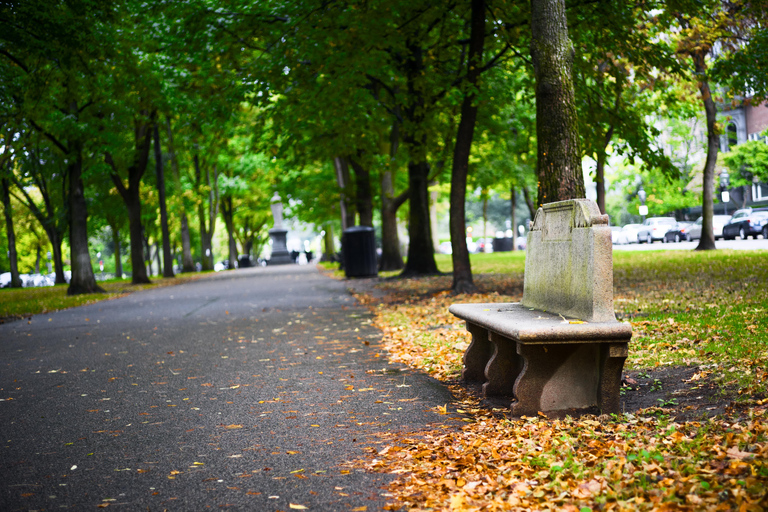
690,318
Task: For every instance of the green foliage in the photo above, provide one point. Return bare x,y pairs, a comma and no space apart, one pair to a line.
746,162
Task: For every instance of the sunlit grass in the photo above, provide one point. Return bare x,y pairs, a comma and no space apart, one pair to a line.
24,302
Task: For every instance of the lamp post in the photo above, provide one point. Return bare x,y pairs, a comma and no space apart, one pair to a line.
725,181
643,210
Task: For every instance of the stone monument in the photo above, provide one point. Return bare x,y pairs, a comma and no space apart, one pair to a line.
280,254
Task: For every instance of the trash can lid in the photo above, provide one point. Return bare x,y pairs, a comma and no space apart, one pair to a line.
358,229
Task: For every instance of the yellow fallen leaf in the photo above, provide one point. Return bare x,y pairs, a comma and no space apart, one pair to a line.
297,507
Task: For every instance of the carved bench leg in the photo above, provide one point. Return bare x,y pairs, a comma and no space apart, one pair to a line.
612,357
503,367
556,378
477,354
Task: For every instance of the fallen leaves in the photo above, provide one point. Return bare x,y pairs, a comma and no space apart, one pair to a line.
645,461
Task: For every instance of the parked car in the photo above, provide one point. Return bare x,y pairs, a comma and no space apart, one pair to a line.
746,223
654,229
678,232
630,230
615,234
718,221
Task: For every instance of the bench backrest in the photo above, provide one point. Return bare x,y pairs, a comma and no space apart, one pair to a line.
569,262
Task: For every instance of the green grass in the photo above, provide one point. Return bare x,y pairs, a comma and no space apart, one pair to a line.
24,302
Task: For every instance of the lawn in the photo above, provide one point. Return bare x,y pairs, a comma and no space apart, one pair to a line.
693,435
16,303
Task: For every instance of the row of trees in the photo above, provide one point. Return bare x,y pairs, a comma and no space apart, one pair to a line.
350,109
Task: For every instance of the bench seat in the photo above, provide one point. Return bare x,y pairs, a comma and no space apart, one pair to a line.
543,361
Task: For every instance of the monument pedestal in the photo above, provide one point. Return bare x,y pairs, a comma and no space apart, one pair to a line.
280,254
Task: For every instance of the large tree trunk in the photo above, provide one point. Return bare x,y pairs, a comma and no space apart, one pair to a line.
559,157
462,270
12,254
707,240
167,257
363,194
421,253
82,280
187,263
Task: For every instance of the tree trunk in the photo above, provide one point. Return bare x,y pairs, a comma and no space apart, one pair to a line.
363,195
600,181
207,220
707,240
559,157
462,270
229,222
82,280
12,255
391,258
187,263
345,185
513,216
421,254
118,257
485,221
529,202
167,258
329,254
58,263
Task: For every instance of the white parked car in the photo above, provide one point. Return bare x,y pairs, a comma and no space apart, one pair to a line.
630,232
718,221
654,229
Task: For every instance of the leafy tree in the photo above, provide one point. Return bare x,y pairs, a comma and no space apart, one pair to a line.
52,57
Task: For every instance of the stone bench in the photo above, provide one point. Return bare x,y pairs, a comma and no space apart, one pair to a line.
561,348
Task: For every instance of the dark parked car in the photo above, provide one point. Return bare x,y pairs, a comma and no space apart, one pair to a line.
678,232
746,223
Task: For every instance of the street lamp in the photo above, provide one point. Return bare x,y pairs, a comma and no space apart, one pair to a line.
725,181
643,210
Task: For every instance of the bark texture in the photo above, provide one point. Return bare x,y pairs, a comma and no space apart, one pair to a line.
559,156
462,270
82,279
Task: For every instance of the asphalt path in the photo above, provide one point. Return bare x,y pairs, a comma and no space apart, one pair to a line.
246,390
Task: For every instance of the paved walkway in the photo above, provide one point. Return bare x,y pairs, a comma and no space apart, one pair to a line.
246,390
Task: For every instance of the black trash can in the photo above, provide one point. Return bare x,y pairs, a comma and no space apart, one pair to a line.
358,245
502,244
